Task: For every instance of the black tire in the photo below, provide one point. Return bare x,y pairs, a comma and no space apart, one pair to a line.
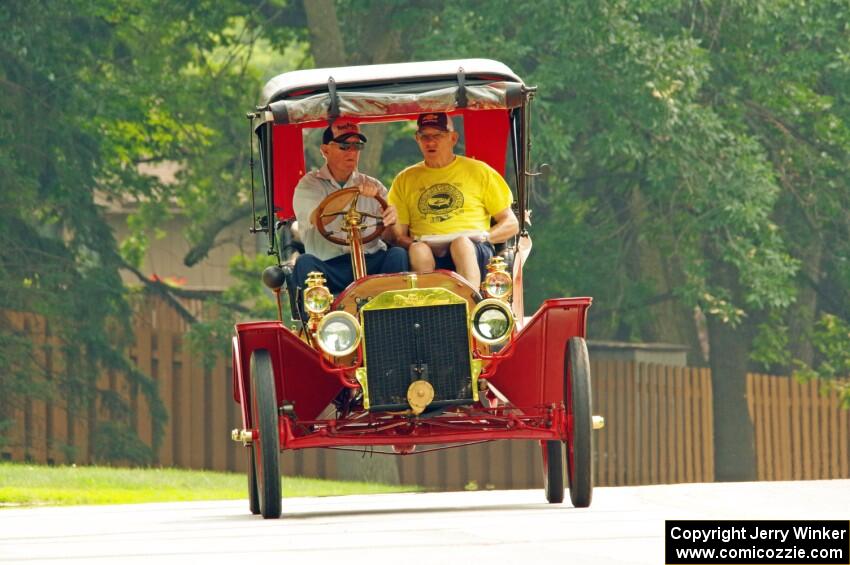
553,471
253,496
266,448
580,440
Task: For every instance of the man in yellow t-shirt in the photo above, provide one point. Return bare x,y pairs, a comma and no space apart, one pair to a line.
454,197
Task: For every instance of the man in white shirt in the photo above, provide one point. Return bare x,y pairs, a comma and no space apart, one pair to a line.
341,145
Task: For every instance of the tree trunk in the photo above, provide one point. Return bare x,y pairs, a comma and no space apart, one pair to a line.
371,156
325,38
668,320
803,312
376,43
734,435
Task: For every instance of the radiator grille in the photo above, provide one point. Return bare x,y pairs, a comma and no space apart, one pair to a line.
395,345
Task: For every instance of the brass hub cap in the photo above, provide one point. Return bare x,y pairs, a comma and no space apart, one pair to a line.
419,396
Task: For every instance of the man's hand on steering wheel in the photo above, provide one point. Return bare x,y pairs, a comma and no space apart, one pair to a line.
390,216
370,188
338,203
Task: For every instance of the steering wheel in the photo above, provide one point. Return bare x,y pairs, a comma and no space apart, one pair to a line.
337,202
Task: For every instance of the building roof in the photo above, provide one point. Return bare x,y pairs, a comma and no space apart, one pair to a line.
643,346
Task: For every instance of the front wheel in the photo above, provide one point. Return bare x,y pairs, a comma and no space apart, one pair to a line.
579,422
266,447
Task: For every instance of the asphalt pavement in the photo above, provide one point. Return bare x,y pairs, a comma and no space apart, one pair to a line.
623,525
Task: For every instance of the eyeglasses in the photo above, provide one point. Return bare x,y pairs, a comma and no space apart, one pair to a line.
349,145
426,137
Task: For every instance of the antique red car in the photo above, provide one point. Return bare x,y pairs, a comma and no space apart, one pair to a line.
406,360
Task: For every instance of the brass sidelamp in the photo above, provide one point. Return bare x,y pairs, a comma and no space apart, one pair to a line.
497,283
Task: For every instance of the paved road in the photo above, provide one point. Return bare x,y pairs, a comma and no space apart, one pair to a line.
624,525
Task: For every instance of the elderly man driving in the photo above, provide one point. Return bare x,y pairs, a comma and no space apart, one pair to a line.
341,145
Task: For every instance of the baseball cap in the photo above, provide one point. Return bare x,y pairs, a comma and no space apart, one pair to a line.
438,120
340,131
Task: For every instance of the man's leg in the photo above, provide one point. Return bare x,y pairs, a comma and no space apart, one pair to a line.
394,260
421,257
304,265
337,271
484,251
465,258
375,262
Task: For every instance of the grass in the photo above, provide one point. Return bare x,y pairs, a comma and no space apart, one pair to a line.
30,485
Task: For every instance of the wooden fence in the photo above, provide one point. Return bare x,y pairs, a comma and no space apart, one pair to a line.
800,433
658,424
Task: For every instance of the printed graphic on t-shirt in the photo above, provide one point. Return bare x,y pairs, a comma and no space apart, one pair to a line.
440,202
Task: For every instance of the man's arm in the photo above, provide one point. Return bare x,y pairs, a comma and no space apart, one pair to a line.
304,200
373,187
401,220
401,234
307,195
506,226
389,218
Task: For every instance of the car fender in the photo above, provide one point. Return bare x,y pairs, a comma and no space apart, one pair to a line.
300,377
530,370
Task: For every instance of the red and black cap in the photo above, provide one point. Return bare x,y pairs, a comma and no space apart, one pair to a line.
342,131
436,120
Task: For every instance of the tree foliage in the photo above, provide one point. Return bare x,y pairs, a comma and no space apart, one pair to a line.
698,156
91,91
699,153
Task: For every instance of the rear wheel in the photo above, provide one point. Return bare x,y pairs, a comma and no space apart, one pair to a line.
579,422
265,447
553,471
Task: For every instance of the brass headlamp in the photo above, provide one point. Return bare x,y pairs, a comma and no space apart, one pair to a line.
338,334
492,321
317,297
497,283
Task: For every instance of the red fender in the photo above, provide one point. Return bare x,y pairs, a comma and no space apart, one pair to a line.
530,370
300,378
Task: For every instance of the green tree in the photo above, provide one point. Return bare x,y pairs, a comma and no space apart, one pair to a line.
91,90
782,72
667,205
698,149
56,253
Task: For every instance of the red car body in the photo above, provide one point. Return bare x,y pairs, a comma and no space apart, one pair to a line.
526,388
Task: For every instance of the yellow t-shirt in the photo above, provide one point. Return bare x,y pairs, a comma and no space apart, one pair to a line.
461,196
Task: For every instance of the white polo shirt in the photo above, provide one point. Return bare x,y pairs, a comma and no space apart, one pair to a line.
310,191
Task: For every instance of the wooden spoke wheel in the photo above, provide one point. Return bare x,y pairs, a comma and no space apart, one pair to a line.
579,422
266,447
